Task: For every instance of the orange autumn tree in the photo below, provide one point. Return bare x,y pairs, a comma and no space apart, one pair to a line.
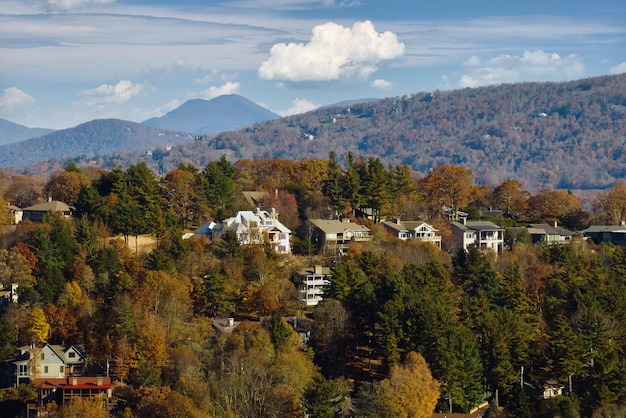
448,185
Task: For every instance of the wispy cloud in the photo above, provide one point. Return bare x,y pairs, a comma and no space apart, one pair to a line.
618,69
226,88
334,52
381,84
13,99
215,75
298,105
118,93
67,5
531,65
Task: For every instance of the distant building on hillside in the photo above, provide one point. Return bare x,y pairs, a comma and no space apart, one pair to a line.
311,282
485,235
417,230
36,213
252,228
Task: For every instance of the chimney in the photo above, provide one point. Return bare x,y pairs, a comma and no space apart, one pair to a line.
317,269
100,381
231,322
74,381
554,224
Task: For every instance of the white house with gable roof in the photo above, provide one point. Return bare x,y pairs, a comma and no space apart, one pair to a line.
252,227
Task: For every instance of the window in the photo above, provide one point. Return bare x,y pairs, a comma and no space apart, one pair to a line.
45,369
61,369
71,354
43,356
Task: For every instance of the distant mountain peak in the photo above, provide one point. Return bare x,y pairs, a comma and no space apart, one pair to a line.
229,112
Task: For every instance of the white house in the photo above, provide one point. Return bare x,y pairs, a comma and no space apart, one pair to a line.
252,227
417,230
47,361
311,282
485,235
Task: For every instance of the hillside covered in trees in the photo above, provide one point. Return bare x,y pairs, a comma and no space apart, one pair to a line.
566,135
404,327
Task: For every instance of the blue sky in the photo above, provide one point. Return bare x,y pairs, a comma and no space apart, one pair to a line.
64,62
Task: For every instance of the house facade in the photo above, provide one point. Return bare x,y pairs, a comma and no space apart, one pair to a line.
311,282
252,227
8,294
336,235
599,234
549,234
63,390
36,213
417,230
45,362
485,235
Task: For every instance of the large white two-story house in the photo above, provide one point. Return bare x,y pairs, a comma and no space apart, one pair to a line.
45,361
417,230
485,235
252,227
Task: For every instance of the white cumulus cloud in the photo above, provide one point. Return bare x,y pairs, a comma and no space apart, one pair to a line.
226,88
334,52
618,69
66,5
298,106
531,66
13,99
381,84
118,93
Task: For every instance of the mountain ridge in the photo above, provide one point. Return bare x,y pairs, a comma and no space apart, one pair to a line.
11,132
568,135
223,113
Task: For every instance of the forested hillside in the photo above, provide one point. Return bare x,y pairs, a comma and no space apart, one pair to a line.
558,135
83,142
405,328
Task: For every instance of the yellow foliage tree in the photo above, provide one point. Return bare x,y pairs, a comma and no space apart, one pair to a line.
410,391
39,328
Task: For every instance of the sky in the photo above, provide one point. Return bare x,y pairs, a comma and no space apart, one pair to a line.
65,62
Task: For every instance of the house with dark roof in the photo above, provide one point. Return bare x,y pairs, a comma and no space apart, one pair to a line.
43,362
599,234
550,234
485,235
417,230
311,282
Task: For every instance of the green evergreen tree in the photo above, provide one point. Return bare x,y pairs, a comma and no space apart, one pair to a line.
279,331
217,182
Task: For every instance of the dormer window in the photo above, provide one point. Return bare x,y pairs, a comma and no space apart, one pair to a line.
71,354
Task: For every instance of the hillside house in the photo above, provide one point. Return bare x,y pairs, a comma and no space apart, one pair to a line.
599,234
43,362
36,213
550,234
63,390
8,294
310,282
417,230
485,235
251,228
16,214
336,235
